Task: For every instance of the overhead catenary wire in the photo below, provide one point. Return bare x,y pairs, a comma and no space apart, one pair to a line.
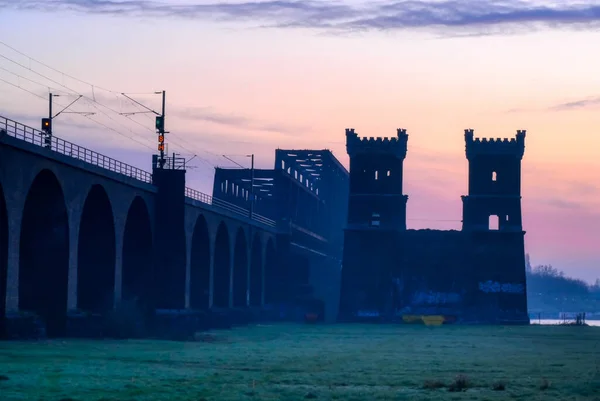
76,93
85,116
93,101
67,75
117,93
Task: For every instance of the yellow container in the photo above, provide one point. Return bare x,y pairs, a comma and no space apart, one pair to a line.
433,320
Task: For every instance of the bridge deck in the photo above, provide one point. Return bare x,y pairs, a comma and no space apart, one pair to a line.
73,151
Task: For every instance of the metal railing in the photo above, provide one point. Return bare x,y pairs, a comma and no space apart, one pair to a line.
38,138
205,198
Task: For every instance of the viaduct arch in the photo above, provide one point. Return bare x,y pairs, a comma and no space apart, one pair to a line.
138,270
200,265
44,253
96,255
240,269
3,259
256,271
222,268
83,243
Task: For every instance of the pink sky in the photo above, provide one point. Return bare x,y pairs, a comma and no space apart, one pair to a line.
235,89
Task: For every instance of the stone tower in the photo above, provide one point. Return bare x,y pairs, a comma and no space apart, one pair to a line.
494,199
492,219
376,178
376,219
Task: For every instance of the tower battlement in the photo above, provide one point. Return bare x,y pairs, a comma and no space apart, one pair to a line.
495,146
396,146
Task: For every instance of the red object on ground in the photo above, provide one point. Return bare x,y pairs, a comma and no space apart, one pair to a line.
311,317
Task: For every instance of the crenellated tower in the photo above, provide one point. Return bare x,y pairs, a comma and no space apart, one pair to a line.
376,181
376,221
494,198
492,221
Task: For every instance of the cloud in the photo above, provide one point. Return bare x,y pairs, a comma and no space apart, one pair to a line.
563,204
448,17
207,114
578,104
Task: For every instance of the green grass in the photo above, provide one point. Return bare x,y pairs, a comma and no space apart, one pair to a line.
298,362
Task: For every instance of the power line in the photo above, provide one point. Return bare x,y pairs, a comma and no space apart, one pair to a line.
67,75
85,97
23,89
88,98
91,119
29,79
88,117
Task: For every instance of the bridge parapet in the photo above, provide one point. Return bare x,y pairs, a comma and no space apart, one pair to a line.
38,138
205,198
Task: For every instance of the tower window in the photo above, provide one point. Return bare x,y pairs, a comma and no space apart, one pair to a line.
376,175
494,223
389,173
494,176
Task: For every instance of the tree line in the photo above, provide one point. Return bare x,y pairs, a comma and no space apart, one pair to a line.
550,290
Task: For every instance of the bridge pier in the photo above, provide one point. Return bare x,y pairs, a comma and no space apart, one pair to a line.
211,282
325,276
74,220
120,221
12,273
232,256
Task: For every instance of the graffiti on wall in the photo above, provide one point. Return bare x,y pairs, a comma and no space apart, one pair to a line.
496,287
435,298
367,313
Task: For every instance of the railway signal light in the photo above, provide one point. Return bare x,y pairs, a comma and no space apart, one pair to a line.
161,147
46,125
160,123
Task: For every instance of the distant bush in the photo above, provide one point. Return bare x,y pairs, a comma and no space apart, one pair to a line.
499,386
460,383
544,384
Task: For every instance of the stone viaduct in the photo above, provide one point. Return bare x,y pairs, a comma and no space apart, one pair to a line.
81,232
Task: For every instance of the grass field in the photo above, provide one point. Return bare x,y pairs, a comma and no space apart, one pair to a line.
298,362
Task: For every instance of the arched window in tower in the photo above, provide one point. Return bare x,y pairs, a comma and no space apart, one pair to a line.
389,173
494,176
494,223
376,174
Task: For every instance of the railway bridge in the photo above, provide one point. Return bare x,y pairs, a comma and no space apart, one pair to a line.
82,234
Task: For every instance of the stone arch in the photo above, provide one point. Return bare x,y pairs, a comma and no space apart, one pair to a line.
138,266
44,253
200,265
222,265
240,269
3,260
271,273
96,253
256,271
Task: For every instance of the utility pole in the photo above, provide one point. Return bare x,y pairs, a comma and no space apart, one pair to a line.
47,122
49,130
160,127
159,124
50,96
252,186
